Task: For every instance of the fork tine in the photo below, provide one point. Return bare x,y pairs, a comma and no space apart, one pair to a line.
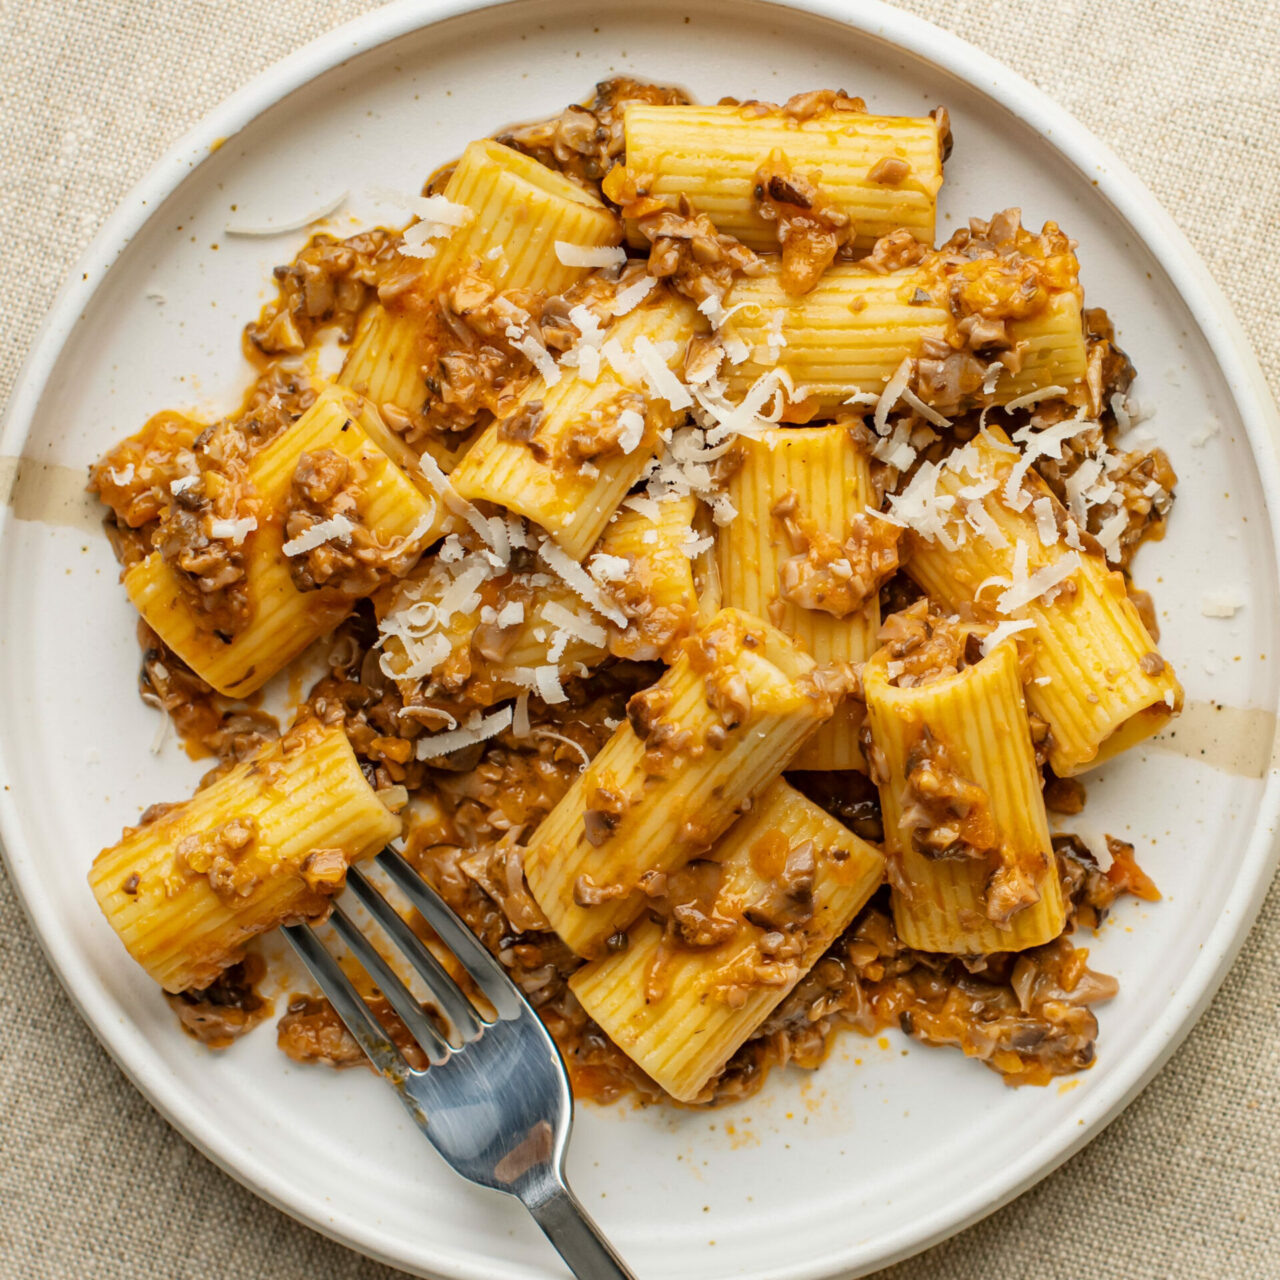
433,1044
364,1027
487,973
448,995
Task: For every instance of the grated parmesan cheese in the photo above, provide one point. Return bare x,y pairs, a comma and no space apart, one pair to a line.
620,361
1038,444
460,595
892,393
573,626
546,680
587,361
895,450
929,414
723,511
538,356
1028,587
627,300
458,505
517,532
647,507
1108,535
334,528
582,255
584,320
693,546
238,530
981,521
438,218
744,419
920,507
607,568
1032,397
1003,632
630,430
425,654
1077,486
520,720
658,376
1120,411
576,578
476,729
1223,602
736,351
260,230
1046,523
711,307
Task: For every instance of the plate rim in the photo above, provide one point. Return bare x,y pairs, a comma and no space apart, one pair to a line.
1128,196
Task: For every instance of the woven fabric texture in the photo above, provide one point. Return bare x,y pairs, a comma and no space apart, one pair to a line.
93,1183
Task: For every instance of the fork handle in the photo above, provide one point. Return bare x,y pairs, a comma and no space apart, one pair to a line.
575,1237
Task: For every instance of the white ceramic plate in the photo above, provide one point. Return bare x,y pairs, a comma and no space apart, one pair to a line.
891,1145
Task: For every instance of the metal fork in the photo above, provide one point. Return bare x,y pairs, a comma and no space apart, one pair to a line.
495,1101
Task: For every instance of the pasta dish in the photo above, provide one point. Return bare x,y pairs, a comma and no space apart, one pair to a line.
716,586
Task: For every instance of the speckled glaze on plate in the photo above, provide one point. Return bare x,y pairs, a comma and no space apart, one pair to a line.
890,1146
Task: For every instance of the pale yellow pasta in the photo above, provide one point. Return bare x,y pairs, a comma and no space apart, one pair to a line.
719,726
572,472
387,358
518,210
680,1014
284,620
848,336
656,591
267,843
1093,673
971,723
712,155
815,478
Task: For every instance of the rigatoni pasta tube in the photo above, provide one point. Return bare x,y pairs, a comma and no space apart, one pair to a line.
522,208
517,210
697,748
985,319
656,590
570,450
268,842
802,494
780,886
387,359
966,832
284,620
852,332
883,172
1094,674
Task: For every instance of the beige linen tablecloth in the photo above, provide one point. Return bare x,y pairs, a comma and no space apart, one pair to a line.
95,1186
